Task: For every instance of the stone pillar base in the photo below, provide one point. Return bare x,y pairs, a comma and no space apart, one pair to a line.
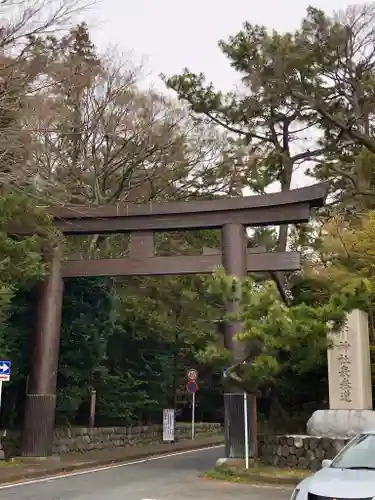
39,423
235,425
340,423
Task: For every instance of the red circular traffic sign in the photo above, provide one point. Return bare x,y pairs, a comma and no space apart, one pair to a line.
192,387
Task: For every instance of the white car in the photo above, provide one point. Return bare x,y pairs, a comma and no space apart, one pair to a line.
350,475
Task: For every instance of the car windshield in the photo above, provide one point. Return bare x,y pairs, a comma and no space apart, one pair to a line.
360,454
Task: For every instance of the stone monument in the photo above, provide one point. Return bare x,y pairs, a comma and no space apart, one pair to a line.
350,389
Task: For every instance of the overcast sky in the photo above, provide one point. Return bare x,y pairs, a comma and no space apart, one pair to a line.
170,34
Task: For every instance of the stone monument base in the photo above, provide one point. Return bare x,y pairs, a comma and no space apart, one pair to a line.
340,423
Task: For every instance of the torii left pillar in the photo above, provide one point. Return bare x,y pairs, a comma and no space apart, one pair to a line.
40,404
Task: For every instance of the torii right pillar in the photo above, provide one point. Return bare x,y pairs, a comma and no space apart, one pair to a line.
234,245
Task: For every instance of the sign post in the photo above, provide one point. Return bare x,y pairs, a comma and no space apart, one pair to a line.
246,430
192,388
92,407
4,377
193,417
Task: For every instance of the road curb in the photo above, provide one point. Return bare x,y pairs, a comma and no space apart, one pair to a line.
257,479
280,481
94,464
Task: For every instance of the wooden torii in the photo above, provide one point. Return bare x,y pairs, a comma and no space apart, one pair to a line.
232,216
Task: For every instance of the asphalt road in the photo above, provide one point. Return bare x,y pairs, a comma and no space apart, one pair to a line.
162,478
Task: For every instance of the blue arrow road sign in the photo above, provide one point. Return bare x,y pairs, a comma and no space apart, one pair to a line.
5,367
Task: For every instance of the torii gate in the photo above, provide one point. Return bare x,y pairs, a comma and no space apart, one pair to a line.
141,221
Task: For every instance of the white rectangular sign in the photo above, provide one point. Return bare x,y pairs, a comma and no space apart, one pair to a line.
168,425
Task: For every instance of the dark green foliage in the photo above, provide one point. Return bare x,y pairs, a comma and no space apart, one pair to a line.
86,326
16,345
132,348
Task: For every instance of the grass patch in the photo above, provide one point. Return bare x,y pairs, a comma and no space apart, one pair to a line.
257,474
11,462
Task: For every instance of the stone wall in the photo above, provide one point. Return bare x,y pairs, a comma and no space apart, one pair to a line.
81,439
303,452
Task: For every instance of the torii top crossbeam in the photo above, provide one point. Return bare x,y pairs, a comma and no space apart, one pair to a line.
261,210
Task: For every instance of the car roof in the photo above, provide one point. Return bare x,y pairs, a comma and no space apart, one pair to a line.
370,431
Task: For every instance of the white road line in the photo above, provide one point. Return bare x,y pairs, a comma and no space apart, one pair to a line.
47,479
